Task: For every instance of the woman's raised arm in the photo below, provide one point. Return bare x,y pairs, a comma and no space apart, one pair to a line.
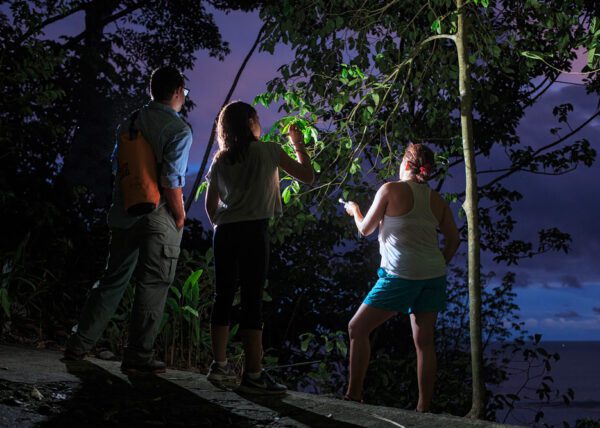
302,168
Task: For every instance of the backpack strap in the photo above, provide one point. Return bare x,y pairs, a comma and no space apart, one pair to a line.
132,129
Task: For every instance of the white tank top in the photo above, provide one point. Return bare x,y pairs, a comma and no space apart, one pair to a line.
408,243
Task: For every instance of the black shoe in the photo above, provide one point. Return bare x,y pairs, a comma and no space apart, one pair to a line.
70,355
265,384
153,366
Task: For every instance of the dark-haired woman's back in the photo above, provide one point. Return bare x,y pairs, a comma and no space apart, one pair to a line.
248,189
242,195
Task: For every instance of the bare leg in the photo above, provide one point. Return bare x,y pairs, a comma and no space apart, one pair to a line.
366,319
252,340
220,336
423,325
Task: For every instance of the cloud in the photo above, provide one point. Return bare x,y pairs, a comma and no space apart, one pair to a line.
523,279
570,281
568,314
596,309
531,323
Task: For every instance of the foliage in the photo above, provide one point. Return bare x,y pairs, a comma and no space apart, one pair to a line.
185,337
364,72
317,363
91,80
63,94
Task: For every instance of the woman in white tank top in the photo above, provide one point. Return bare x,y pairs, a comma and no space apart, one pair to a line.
412,276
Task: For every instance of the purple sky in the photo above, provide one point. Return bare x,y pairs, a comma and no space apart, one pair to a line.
559,294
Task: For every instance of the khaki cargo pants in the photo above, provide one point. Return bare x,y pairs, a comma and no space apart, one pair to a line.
149,249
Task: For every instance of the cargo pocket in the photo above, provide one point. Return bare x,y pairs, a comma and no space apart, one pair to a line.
170,255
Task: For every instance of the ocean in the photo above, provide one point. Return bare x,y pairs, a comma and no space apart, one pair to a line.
578,368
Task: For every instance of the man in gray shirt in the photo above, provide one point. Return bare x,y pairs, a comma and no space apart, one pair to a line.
148,244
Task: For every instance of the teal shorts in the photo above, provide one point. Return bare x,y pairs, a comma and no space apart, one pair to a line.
407,295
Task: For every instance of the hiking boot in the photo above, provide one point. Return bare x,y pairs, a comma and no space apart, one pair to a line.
153,366
217,373
264,385
70,355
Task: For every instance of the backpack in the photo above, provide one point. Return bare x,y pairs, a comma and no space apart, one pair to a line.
137,171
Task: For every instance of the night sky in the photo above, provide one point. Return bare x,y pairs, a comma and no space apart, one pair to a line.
559,294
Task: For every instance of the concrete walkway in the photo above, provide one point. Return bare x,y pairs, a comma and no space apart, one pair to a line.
95,393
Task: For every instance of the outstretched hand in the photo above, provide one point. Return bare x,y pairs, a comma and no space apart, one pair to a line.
296,136
351,208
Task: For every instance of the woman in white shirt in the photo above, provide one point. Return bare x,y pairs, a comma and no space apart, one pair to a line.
412,276
243,194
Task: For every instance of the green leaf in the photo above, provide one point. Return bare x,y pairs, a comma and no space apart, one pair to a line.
176,292
260,99
191,283
191,310
316,166
201,189
375,97
286,195
591,58
266,297
305,339
358,72
314,133
342,347
174,305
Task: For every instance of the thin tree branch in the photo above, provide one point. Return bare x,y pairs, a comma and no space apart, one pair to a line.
516,168
542,92
49,21
211,140
72,41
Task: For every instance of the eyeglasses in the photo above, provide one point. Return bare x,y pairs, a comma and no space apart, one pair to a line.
186,91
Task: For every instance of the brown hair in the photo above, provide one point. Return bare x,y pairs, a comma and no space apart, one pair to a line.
234,132
420,161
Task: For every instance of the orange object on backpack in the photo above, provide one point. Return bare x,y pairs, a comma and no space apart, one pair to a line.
137,172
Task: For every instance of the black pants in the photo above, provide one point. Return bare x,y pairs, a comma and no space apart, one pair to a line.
241,259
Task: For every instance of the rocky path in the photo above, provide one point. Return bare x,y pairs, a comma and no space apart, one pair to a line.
37,389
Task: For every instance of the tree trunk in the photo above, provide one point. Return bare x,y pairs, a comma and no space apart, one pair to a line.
470,206
88,161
